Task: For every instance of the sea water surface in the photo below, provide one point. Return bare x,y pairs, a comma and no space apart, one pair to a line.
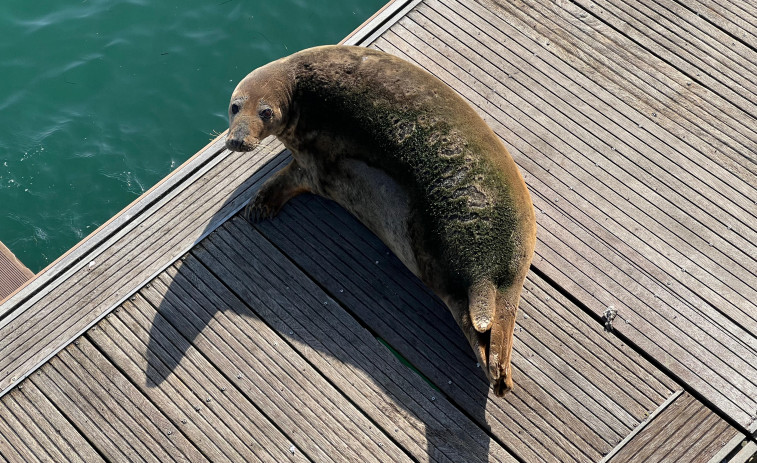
100,99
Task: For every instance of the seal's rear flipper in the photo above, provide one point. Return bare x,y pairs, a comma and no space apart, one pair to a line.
489,323
501,340
481,303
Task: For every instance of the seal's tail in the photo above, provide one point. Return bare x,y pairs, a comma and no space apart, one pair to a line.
492,314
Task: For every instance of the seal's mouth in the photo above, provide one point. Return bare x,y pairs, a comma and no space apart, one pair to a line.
240,144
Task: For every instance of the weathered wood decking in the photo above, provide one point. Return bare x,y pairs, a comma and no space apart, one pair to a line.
181,331
13,273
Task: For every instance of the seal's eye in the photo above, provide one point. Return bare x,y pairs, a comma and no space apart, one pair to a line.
234,108
266,113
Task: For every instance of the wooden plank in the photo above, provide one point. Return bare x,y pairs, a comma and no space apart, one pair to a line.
643,396
21,445
728,449
746,454
379,21
544,415
652,331
568,86
685,431
13,273
705,153
649,80
211,410
277,410
741,8
90,291
67,438
286,379
5,455
35,438
582,89
729,335
395,398
686,418
213,396
157,431
698,49
729,18
108,410
700,444
568,359
285,392
177,285
45,427
102,435
159,436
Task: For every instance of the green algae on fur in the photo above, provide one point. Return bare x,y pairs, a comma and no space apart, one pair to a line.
465,200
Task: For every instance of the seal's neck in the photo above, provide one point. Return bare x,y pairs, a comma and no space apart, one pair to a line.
287,133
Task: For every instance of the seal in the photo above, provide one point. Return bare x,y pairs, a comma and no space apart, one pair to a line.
408,157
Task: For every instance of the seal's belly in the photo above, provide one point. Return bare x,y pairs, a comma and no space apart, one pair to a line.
379,202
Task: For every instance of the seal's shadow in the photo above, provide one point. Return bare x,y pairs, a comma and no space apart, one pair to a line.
269,265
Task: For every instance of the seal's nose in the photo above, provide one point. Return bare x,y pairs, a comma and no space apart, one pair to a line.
234,144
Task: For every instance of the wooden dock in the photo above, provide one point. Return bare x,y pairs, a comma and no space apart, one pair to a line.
13,273
180,331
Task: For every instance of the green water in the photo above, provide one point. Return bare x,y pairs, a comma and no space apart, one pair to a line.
100,99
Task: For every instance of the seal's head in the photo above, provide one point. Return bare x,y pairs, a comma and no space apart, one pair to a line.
259,106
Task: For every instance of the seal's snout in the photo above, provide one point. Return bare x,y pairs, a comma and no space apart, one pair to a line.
235,144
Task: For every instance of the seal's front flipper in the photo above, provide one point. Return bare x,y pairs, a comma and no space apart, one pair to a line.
284,185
